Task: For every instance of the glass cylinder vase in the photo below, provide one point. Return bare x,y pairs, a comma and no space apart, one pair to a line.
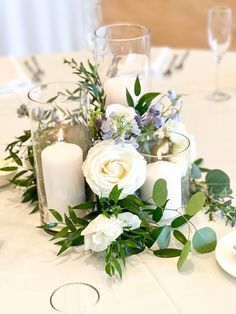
168,157
122,52
60,138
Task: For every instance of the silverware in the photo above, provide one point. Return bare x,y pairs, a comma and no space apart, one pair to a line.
180,65
34,75
169,68
38,67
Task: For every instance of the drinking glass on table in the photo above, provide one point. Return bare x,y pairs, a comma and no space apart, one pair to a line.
121,54
75,298
219,38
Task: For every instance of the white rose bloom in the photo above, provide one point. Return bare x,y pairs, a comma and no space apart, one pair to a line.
119,110
100,233
129,220
108,164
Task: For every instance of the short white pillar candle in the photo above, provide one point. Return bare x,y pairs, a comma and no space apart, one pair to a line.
172,174
63,177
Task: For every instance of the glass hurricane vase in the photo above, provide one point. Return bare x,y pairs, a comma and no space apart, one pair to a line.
60,138
167,156
121,54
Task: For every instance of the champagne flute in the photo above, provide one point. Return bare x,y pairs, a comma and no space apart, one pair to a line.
219,38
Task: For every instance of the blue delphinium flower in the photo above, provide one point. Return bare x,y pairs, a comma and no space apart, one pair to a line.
22,111
171,95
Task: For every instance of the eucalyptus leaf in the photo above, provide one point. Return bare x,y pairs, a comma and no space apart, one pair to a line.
180,236
167,253
180,221
195,203
159,193
195,172
184,254
204,240
163,240
217,181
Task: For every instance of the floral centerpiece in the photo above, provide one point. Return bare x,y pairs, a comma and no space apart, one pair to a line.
118,220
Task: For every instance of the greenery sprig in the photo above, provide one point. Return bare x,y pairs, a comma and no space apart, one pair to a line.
216,187
21,151
149,233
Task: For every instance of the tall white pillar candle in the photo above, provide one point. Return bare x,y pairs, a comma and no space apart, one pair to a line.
115,89
172,174
62,175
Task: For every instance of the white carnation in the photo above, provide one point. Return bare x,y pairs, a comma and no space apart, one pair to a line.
101,232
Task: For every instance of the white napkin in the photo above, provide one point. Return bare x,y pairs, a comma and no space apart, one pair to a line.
159,60
12,76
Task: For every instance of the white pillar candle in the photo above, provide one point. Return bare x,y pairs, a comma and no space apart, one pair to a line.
172,174
115,89
62,175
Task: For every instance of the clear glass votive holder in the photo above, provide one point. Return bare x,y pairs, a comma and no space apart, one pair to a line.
60,138
75,298
168,157
122,52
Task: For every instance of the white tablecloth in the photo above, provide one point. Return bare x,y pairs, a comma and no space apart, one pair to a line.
29,267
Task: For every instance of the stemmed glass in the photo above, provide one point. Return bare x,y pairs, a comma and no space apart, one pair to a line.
219,38
74,298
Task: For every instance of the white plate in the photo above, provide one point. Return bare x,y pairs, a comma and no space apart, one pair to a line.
226,254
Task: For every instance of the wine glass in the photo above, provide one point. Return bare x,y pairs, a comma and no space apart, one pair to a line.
219,38
74,298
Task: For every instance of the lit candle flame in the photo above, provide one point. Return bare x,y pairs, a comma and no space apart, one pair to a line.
60,136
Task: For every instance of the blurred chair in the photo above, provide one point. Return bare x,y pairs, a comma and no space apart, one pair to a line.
44,26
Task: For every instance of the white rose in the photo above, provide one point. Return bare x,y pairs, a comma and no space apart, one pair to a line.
108,164
101,232
122,111
129,220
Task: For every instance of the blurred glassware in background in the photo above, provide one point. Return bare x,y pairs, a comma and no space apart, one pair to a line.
219,38
122,52
93,9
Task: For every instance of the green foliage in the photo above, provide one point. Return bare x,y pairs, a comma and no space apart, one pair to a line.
137,87
184,254
159,194
18,150
218,182
167,253
204,240
90,80
163,240
218,193
195,203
